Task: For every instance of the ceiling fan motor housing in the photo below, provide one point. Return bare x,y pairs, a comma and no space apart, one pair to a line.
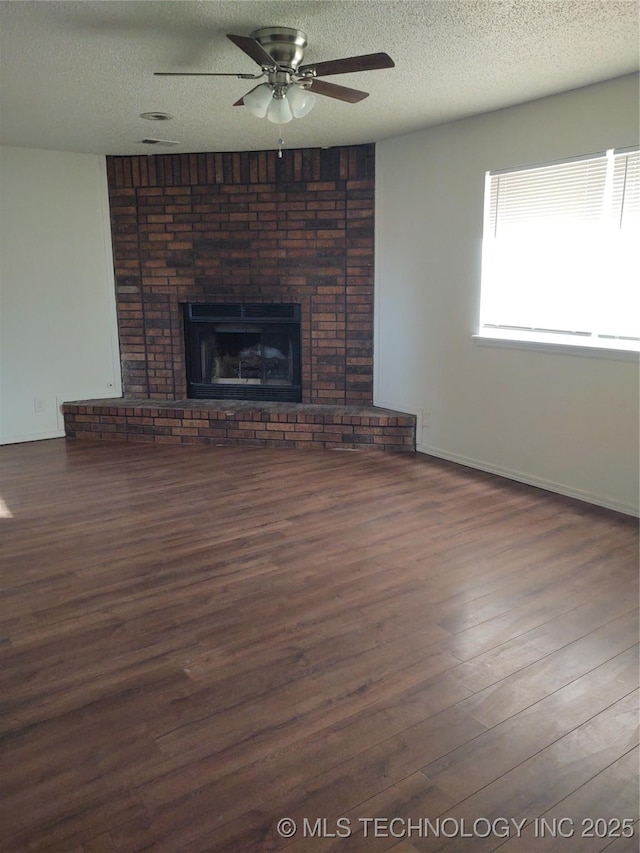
285,45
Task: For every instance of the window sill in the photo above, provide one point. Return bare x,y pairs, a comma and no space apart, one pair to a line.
613,351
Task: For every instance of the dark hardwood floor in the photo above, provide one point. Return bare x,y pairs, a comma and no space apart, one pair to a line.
198,642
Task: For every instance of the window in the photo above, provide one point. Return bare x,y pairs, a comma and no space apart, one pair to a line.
560,253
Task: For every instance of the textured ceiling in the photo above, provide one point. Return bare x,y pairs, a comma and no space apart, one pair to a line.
77,75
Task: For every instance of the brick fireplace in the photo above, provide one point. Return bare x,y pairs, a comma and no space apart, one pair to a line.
246,228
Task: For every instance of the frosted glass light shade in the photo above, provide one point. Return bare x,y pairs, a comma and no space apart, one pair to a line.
279,111
257,101
300,100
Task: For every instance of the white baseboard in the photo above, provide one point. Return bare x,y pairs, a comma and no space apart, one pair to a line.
31,436
519,477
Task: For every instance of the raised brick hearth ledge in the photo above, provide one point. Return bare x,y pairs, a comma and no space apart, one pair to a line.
231,422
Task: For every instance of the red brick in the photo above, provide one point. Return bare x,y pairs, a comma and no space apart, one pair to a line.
269,270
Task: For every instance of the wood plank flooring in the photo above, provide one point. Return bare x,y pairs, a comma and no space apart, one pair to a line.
198,642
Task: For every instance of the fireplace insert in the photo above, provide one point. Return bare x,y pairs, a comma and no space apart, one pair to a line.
237,351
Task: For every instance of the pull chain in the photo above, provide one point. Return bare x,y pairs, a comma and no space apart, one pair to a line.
280,143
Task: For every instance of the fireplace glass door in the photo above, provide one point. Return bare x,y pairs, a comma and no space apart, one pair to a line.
247,357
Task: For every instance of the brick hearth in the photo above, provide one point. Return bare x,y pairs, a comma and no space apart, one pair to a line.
223,422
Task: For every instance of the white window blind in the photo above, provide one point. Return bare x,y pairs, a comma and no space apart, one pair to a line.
560,254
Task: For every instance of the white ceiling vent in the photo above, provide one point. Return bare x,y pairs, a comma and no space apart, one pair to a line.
156,116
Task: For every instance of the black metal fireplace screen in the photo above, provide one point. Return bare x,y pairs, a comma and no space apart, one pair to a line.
243,352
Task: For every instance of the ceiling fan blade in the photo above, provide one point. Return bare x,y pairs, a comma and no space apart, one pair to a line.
253,49
342,93
204,74
240,102
367,62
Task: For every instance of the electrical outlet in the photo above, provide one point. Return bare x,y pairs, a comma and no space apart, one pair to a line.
39,405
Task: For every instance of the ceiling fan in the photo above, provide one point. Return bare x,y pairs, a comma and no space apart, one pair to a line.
290,87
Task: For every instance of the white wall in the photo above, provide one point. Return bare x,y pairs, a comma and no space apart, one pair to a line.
58,330
563,421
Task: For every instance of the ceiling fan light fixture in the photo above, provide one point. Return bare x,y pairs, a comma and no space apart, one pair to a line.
300,100
259,99
279,111
291,88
